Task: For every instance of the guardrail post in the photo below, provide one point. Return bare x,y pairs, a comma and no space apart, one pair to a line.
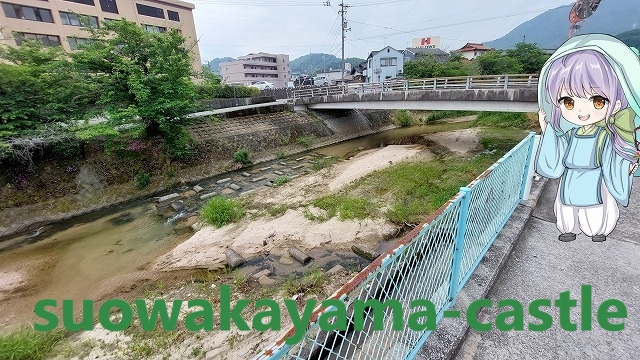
406,85
468,83
506,81
311,92
463,216
435,84
529,166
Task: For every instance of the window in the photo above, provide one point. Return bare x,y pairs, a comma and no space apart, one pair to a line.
154,29
85,2
150,11
48,40
173,15
27,13
388,62
75,43
78,19
109,6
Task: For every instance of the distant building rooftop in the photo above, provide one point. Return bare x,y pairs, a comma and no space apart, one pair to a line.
474,47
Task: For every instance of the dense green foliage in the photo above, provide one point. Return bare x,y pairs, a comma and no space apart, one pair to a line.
524,58
141,75
219,211
124,74
38,85
428,66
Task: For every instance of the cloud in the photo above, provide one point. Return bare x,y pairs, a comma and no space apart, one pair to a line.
260,25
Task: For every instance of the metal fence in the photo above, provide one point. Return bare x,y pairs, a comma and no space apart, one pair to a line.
433,262
509,81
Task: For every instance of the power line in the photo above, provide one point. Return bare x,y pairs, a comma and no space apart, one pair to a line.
455,24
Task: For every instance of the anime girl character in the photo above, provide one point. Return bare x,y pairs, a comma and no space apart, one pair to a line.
589,96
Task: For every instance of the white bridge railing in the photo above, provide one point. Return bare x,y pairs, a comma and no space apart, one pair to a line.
508,81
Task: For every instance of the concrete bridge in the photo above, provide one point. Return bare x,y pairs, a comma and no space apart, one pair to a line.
509,93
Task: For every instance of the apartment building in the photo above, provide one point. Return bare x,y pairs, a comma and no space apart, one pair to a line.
273,68
58,22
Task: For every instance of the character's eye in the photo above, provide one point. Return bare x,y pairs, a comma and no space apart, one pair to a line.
599,102
567,102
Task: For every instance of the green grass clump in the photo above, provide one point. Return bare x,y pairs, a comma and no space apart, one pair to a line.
320,164
501,140
143,180
219,211
345,207
242,157
307,140
281,180
403,118
311,282
28,344
417,189
277,210
448,114
503,120
281,154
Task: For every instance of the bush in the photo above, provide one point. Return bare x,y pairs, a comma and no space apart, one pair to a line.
403,118
143,180
307,140
242,157
219,211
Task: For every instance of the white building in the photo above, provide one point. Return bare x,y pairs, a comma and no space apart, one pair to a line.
387,63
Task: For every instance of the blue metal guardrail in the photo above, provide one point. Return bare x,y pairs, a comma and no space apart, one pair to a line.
433,262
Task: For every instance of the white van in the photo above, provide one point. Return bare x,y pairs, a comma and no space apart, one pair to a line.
320,81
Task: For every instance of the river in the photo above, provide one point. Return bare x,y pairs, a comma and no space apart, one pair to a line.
112,255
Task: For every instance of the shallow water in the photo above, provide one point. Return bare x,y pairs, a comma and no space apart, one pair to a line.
85,261
111,255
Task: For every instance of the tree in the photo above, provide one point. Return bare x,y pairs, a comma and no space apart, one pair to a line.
142,75
495,63
530,56
38,86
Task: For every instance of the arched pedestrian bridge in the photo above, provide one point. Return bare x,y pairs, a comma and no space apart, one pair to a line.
510,93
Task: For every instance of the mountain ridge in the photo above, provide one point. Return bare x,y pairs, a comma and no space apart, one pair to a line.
550,29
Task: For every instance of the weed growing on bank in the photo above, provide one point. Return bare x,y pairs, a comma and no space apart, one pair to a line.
219,211
448,114
311,282
502,120
27,344
306,140
403,118
346,207
242,157
281,180
320,164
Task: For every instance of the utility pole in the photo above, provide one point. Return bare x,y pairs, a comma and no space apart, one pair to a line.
343,10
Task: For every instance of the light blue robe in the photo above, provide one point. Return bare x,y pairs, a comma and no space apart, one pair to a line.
573,160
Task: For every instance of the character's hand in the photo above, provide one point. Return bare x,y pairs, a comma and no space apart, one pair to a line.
542,119
632,168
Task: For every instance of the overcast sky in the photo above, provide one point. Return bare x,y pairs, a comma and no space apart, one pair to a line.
298,27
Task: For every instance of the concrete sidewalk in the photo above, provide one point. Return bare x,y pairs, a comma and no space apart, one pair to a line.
540,266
